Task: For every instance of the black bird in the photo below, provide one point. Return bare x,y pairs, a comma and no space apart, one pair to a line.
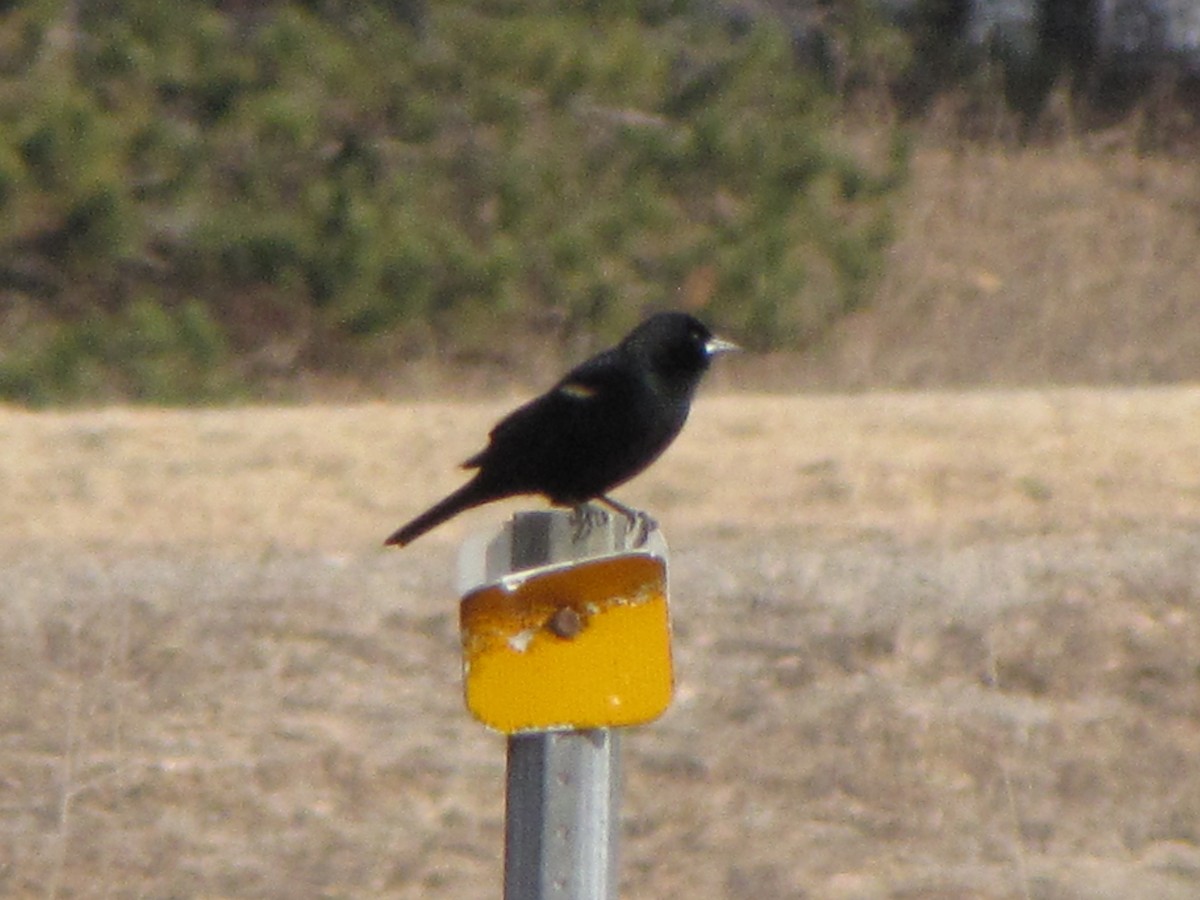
605,422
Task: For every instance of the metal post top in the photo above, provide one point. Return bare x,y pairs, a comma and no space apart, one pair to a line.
550,537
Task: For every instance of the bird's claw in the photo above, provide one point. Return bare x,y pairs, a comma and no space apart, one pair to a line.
639,525
642,526
584,518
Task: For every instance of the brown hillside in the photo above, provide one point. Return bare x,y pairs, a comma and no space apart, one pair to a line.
1041,266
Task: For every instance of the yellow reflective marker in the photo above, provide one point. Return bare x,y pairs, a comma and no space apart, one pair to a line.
580,645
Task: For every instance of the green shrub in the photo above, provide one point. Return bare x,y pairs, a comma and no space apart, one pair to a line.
182,187
143,352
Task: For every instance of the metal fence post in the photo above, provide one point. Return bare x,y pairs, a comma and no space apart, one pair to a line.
566,634
562,815
562,796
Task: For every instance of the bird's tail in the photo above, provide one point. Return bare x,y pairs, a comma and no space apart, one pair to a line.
464,498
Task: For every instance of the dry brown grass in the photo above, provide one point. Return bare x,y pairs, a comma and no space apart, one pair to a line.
928,645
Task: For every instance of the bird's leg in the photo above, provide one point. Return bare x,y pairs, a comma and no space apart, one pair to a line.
627,511
640,523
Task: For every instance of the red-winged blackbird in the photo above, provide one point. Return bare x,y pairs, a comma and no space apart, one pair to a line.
607,420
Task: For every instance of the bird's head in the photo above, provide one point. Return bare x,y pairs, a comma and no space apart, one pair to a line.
677,346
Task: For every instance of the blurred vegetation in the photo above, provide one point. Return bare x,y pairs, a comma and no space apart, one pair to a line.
196,198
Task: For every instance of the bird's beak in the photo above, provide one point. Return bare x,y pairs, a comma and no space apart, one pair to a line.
716,346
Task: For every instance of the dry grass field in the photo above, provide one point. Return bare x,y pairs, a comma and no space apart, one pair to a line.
930,644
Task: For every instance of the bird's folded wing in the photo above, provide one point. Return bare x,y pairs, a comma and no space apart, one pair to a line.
588,387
